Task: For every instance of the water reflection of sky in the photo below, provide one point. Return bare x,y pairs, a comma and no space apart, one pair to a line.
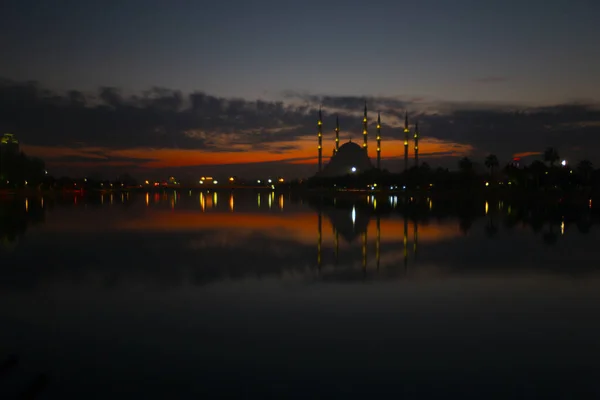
206,295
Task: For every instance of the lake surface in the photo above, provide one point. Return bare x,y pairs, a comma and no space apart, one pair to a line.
248,295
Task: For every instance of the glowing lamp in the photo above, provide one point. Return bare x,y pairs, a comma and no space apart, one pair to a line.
353,169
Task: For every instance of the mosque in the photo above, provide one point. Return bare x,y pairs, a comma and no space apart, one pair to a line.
351,158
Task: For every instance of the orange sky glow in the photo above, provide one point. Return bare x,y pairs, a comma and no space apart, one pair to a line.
303,152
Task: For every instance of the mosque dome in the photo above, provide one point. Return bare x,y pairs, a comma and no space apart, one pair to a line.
350,158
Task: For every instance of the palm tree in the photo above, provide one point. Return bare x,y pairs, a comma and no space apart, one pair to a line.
537,168
465,165
551,156
585,168
491,162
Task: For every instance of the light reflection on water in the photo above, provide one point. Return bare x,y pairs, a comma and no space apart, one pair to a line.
189,293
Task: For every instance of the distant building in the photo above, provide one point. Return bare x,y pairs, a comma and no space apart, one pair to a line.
9,144
350,157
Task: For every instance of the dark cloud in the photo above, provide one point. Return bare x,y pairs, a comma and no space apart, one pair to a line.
498,128
158,118
108,160
164,118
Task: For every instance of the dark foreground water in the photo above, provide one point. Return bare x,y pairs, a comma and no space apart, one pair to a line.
263,296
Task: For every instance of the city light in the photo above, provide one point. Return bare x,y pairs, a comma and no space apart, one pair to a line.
215,182
563,163
269,181
231,179
353,169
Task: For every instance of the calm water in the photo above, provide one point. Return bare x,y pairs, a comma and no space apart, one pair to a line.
267,296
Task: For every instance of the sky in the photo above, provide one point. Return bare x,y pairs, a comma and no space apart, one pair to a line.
156,88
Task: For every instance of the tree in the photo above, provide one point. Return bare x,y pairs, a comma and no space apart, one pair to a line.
491,162
585,169
465,165
425,167
538,169
551,156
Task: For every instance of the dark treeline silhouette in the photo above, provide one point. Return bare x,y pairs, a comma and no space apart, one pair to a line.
18,170
538,176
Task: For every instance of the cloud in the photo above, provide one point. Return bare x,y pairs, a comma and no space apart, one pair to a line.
527,154
162,128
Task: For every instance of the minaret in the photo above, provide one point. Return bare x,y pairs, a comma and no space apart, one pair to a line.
337,134
365,133
406,141
378,140
417,144
320,136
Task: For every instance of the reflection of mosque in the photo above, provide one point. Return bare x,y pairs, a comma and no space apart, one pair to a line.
350,223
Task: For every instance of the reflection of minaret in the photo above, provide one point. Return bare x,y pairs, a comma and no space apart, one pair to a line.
320,136
416,237
406,141
319,241
364,250
365,133
405,240
417,144
378,141
337,244
337,134
378,241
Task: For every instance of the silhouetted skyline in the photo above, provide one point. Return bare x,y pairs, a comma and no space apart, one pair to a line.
244,81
